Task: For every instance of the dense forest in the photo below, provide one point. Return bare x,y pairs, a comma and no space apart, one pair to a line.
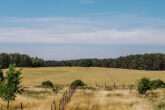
21,60
140,62
154,61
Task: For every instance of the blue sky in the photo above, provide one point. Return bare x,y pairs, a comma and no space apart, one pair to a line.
72,29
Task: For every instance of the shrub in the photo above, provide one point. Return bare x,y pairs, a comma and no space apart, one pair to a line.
47,84
144,85
154,84
77,83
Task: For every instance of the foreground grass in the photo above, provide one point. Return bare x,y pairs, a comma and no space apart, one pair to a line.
89,99
113,100
34,98
103,100
37,98
90,75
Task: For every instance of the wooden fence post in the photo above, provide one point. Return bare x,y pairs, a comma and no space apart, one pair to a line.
21,106
51,107
60,105
54,105
131,88
105,85
64,99
114,85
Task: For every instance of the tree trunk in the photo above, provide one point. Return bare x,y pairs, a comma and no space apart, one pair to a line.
8,103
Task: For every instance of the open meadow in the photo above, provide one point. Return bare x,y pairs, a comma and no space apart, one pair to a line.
91,97
89,75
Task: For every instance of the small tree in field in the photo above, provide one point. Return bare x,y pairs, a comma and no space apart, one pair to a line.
144,85
10,86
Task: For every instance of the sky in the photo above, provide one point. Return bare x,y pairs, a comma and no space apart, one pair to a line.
73,29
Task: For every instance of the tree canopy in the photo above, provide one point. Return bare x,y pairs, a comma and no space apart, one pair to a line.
10,86
155,61
21,60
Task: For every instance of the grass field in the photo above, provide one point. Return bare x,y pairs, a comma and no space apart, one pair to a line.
107,100
90,75
92,97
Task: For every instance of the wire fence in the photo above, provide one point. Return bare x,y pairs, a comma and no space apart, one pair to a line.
67,94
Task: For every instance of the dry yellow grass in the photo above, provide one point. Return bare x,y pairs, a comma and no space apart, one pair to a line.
36,98
86,99
90,75
32,101
108,100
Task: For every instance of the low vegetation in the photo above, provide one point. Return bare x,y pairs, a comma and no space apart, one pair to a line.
145,84
77,83
89,97
47,84
113,100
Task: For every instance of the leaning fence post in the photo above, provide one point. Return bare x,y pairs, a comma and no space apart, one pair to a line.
21,106
63,106
60,105
54,105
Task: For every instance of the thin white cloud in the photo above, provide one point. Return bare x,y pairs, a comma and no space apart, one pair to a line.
139,36
118,29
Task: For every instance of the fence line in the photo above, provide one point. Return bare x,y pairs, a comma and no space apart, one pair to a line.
115,86
64,99
67,94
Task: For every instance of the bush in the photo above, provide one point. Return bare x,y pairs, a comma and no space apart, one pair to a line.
47,84
144,85
77,83
154,84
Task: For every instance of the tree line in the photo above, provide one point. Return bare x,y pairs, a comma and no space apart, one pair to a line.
154,61
20,60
